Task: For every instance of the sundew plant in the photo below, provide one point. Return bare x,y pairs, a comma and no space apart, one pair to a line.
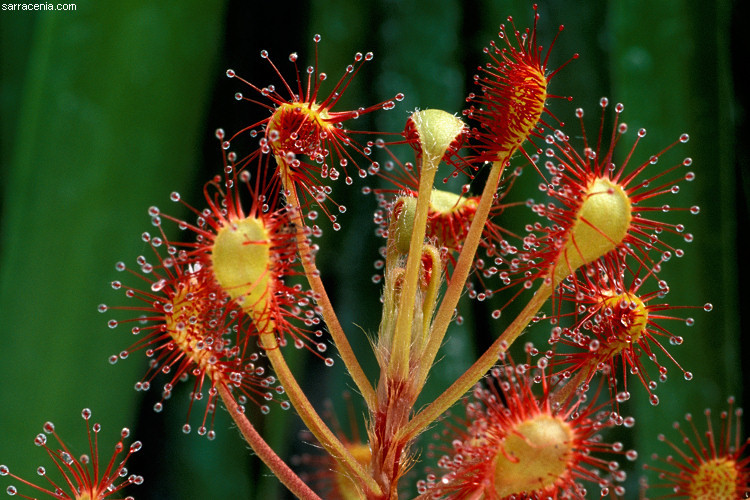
381,283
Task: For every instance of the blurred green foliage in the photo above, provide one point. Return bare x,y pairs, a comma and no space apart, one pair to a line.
108,109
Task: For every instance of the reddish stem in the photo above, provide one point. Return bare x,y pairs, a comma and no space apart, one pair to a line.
279,468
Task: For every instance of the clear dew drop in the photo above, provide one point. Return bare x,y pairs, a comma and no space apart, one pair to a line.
158,285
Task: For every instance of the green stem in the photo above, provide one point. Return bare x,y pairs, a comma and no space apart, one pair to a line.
399,362
279,468
461,272
321,297
310,417
430,413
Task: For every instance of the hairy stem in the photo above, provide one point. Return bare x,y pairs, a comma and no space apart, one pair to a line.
461,272
400,352
430,413
279,468
310,417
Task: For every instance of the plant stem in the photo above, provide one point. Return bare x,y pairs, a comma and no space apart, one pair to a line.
321,296
310,417
461,272
430,413
401,348
563,394
584,374
279,468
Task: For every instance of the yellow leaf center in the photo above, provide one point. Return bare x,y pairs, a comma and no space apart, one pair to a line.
447,203
299,128
525,105
241,258
186,325
714,480
601,223
629,316
533,456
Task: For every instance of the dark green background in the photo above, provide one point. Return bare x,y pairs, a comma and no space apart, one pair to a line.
108,109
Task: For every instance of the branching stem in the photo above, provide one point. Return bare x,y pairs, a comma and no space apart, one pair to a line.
461,272
430,413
